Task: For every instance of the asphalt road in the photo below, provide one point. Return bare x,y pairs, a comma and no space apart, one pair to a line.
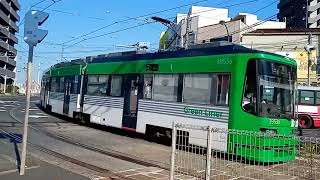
99,138
10,149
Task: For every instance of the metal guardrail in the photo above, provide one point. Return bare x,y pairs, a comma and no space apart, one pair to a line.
232,154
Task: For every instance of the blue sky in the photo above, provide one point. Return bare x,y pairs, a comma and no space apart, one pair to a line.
72,18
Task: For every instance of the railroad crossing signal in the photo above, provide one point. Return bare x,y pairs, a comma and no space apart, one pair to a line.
34,19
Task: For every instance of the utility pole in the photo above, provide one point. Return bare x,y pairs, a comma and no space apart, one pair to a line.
62,51
32,36
309,49
5,84
307,13
186,42
38,78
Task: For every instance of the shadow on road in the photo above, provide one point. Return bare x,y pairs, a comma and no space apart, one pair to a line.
112,130
14,139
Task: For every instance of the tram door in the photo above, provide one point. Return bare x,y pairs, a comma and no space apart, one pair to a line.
130,107
66,101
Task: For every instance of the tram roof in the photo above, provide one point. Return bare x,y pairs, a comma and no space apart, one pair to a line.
207,49
191,52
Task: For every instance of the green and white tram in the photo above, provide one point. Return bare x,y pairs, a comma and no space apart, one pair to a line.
228,87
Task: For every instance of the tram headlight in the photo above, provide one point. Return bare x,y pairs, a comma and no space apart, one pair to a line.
268,131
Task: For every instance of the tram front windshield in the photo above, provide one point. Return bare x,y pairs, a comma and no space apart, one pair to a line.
271,84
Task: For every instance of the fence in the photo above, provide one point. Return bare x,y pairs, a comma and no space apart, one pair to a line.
203,152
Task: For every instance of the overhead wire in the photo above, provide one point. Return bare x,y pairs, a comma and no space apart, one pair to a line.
53,2
128,19
35,4
93,37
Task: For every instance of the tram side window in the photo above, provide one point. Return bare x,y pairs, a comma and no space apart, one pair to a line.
61,85
116,85
55,82
147,89
198,88
98,85
75,85
165,87
306,97
206,89
223,84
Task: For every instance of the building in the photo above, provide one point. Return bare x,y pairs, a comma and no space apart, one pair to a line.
294,13
291,43
211,24
8,29
234,29
198,17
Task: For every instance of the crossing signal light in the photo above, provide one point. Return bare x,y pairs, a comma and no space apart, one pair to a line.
32,34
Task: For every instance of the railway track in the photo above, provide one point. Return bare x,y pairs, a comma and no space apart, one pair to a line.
310,133
103,171
107,152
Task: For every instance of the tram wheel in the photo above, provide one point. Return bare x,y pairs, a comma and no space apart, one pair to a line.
305,122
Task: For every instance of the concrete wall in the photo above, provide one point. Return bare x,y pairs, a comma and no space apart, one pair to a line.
216,31
236,29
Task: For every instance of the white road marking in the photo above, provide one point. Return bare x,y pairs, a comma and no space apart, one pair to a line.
10,159
15,170
36,116
7,101
3,110
40,113
30,109
8,105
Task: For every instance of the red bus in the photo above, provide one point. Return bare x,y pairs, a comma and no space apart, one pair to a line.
308,106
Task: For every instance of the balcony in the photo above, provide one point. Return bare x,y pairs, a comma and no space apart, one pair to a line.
313,19
8,60
5,4
8,73
314,8
6,33
4,17
14,15
13,38
13,50
13,26
4,45
15,4
8,47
